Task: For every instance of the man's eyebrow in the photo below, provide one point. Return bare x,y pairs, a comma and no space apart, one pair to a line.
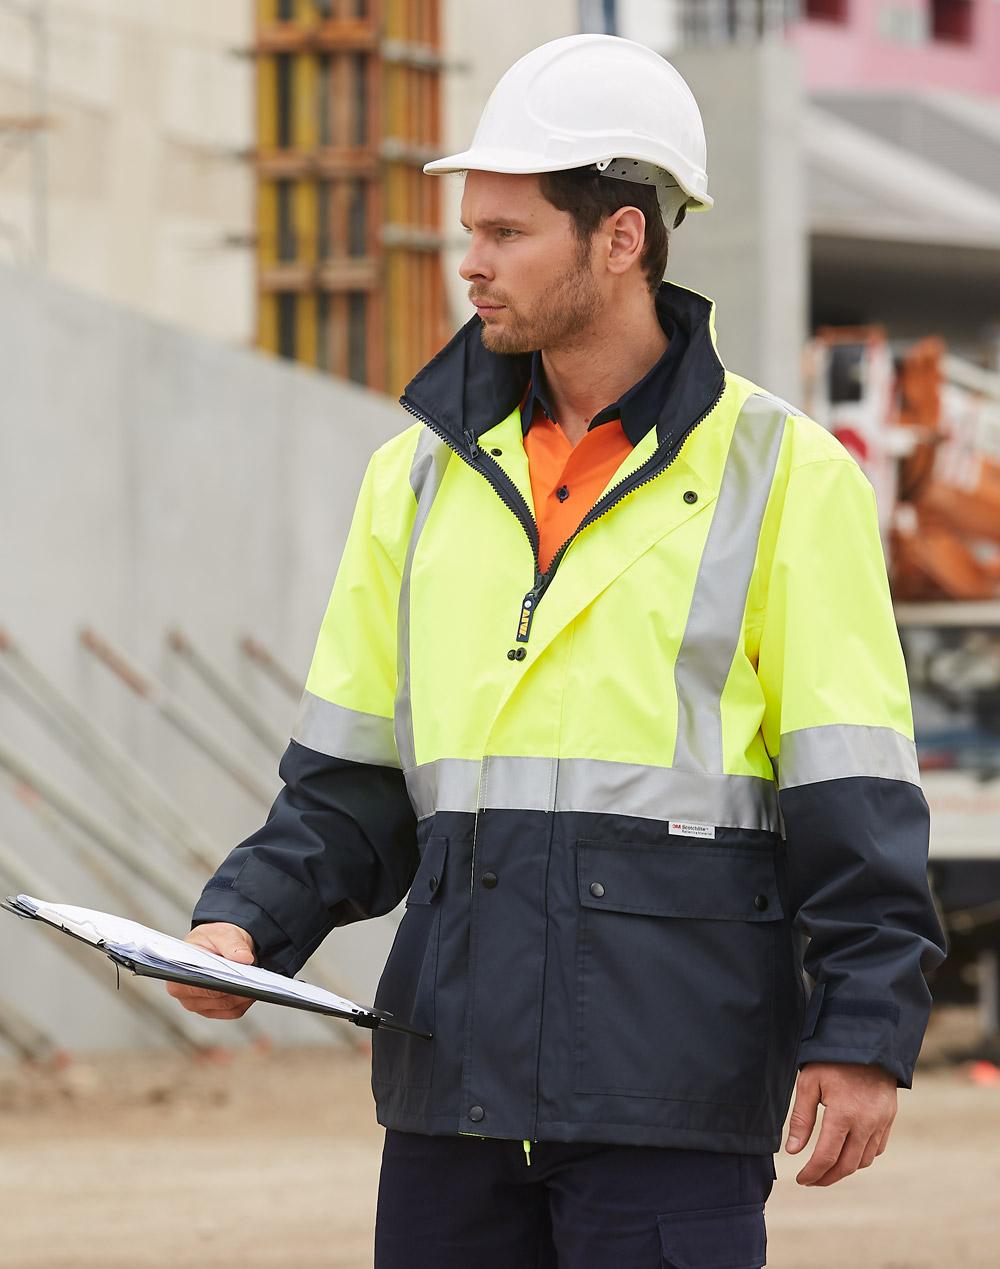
498,222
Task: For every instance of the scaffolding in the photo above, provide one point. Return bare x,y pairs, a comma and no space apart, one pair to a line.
349,244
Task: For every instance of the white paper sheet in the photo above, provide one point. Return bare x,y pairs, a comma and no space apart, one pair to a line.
163,951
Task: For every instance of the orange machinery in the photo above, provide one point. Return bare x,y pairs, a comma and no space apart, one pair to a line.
926,428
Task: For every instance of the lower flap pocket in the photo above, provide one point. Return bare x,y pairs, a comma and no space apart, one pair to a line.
714,1238
721,883
430,872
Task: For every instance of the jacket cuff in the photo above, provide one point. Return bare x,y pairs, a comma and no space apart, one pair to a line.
258,901
840,1028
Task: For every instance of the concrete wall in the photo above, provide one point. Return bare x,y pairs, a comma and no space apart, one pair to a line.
749,253
149,202
150,478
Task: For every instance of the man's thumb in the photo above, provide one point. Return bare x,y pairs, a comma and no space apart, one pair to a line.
802,1120
240,952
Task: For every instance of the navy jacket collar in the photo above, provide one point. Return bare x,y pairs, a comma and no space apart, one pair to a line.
639,407
466,389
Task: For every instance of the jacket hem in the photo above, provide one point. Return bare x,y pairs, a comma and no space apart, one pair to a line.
601,1133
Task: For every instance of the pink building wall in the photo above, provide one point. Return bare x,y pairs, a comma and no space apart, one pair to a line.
857,54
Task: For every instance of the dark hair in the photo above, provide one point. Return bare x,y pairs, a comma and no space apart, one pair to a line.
589,197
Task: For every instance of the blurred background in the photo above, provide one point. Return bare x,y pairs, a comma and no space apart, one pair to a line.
219,264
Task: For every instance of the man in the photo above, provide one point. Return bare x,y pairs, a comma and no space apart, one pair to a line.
609,683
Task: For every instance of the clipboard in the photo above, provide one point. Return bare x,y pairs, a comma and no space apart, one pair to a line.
371,1019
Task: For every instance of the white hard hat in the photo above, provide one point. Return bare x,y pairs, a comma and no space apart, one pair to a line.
594,100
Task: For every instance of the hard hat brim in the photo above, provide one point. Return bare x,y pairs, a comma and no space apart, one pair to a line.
512,163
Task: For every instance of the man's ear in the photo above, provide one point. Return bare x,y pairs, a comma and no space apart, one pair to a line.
627,231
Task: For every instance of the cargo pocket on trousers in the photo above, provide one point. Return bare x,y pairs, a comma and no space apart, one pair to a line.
714,1238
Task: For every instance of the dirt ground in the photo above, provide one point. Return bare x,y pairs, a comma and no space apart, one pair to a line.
271,1159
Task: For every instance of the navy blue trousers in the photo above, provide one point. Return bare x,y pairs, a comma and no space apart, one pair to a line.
474,1203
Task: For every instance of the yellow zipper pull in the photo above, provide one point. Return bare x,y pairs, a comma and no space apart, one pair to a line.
527,1151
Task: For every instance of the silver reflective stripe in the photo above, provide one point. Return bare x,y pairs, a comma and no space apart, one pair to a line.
430,459
344,733
594,785
841,750
448,784
662,793
715,618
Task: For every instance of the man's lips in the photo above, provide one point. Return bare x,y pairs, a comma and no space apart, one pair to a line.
482,307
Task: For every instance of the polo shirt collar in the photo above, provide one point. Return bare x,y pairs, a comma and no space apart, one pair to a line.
638,407
465,389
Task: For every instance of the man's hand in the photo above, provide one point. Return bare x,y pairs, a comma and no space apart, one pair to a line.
236,945
860,1106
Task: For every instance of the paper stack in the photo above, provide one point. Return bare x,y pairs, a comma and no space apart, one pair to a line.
158,955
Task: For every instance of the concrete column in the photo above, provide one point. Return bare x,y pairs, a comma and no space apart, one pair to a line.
750,252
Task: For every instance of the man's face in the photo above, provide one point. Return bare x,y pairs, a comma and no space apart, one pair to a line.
529,277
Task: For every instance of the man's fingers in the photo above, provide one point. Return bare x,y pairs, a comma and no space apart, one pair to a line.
225,1015
184,991
884,1139
803,1116
235,944
217,1000
209,1003
236,1009
849,1160
832,1135
871,1150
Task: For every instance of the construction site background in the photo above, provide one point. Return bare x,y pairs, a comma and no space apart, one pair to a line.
212,219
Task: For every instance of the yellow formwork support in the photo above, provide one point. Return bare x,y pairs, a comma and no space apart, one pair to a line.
304,219
401,103
305,344
267,322
305,80
267,224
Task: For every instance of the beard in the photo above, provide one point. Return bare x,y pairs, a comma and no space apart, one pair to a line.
564,311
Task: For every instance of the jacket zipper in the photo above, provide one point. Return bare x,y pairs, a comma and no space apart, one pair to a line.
654,466
505,488
511,496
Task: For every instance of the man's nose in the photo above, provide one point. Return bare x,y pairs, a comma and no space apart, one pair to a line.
476,267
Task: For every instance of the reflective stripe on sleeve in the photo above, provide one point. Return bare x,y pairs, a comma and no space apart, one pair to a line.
837,751
345,733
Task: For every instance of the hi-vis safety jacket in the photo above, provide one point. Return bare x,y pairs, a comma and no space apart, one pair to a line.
620,795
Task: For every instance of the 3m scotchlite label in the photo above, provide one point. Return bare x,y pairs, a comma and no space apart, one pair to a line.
683,828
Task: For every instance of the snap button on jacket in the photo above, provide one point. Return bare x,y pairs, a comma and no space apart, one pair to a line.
671,849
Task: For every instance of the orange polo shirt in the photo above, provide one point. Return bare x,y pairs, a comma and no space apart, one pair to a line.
566,479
